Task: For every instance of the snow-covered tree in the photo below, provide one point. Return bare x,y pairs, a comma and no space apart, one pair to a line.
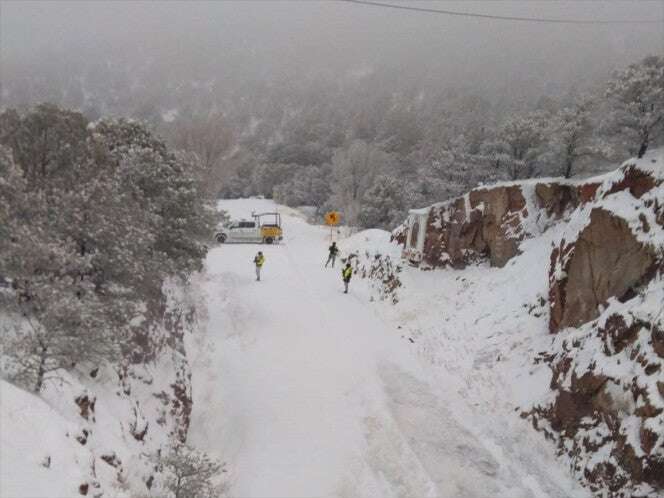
45,142
209,137
383,203
570,137
62,330
310,186
354,169
636,95
518,144
191,473
399,130
62,320
94,220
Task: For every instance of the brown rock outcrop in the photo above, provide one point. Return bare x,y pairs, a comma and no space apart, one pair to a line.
86,405
556,198
605,261
487,226
590,408
487,223
638,182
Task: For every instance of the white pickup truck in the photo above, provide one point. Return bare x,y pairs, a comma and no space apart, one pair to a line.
265,229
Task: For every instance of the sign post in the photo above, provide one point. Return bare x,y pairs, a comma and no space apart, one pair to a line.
332,219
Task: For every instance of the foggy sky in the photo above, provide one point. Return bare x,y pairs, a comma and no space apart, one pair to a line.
274,40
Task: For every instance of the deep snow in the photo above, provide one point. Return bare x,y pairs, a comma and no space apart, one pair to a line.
305,391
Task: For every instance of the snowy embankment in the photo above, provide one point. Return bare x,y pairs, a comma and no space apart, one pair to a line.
580,260
98,430
306,391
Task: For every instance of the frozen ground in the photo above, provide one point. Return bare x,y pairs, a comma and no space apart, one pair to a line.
307,392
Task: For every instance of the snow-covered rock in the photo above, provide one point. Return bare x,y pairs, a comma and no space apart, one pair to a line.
594,253
605,278
489,223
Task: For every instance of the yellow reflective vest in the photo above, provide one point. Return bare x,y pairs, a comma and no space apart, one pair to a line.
259,260
346,273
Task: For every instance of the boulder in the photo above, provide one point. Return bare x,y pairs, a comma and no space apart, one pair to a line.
605,261
485,224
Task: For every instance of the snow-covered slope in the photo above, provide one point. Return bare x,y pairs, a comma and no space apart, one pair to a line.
37,457
306,391
589,270
97,431
417,383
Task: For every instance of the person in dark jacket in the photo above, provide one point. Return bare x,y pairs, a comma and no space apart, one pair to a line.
334,250
346,273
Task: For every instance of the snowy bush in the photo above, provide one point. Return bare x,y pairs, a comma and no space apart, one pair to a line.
189,473
381,271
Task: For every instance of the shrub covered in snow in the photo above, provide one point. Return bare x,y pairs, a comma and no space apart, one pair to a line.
188,473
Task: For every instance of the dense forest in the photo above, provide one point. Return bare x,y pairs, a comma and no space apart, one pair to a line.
353,120
359,147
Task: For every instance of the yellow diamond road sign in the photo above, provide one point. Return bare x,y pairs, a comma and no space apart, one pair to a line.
332,218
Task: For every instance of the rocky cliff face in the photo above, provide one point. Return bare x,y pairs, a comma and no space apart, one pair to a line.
606,415
489,223
605,310
611,248
606,260
606,299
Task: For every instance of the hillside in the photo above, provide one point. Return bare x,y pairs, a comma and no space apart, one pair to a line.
553,292
521,359
98,433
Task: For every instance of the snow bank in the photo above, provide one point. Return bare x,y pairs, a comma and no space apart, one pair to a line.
98,430
39,455
373,241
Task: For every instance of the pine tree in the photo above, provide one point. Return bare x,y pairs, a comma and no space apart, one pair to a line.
191,473
383,203
95,218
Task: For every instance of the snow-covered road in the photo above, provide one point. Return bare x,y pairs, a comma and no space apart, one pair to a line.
307,392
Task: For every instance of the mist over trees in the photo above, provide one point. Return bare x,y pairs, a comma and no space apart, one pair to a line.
373,161
371,113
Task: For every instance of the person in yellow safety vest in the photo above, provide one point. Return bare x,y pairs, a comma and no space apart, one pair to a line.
346,273
259,261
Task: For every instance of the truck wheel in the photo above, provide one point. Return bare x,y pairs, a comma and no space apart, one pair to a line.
221,238
268,240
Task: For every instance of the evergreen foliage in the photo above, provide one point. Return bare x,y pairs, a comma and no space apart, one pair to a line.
95,218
